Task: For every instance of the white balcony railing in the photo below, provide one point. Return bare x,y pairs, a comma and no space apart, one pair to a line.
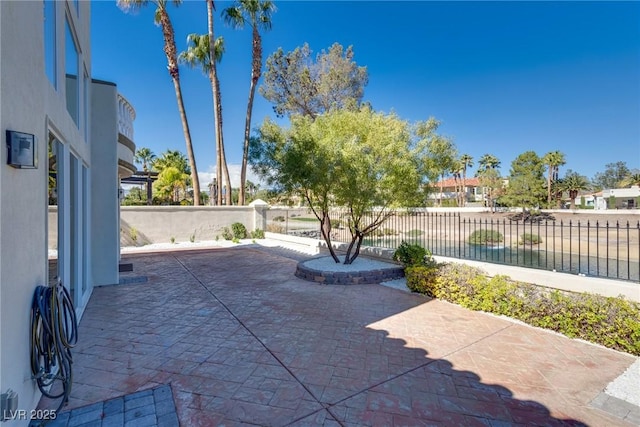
126,116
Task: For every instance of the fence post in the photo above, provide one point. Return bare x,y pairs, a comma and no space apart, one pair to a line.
260,209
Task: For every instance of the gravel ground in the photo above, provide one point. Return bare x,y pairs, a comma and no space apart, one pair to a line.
360,264
627,385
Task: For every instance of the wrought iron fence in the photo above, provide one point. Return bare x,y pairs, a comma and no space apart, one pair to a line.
609,249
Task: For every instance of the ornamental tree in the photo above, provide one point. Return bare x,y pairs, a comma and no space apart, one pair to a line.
364,161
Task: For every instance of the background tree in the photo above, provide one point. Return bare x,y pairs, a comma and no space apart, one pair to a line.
493,183
353,159
162,19
553,160
632,178
171,185
256,14
466,161
145,157
171,158
486,163
526,182
573,183
440,151
611,177
296,84
198,53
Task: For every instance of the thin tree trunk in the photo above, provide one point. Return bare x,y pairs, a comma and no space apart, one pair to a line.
549,185
255,75
170,52
221,161
464,187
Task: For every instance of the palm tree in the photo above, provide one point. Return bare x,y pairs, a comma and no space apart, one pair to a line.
198,53
573,182
553,160
256,14
456,171
630,180
488,163
466,162
162,19
145,157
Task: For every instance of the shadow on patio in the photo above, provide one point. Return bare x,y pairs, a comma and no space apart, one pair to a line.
241,340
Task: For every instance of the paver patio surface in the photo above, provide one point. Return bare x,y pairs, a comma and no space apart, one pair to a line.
242,341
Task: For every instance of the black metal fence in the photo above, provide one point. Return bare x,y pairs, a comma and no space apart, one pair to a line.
609,249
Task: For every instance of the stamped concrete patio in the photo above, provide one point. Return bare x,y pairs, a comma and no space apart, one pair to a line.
241,341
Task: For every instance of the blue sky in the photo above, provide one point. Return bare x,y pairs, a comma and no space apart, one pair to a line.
503,77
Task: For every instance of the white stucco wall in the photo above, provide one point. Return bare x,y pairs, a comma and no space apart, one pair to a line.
23,195
29,103
105,238
157,224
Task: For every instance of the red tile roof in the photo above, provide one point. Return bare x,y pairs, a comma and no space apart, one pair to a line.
450,182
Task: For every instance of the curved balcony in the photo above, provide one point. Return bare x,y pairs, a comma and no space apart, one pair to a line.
126,146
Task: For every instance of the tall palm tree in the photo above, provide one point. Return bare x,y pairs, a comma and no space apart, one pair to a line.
488,161
488,164
256,14
574,183
466,161
198,53
456,172
162,19
553,160
145,157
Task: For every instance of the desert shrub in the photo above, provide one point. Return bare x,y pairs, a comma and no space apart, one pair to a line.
257,234
611,322
239,230
336,223
410,254
227,234
485,237
529,239
420,278
278,218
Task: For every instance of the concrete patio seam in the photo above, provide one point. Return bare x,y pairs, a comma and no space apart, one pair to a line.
322,406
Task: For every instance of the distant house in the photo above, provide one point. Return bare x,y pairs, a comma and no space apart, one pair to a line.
450,187
620,198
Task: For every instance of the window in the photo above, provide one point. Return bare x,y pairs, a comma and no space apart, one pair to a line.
85,121
50,41
71,74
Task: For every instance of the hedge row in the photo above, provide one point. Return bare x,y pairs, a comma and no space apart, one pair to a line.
611,322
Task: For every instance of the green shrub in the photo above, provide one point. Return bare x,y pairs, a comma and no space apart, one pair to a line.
227,234
278,218
239,230
420,279
409,254
257,234
485,237
611,322
529,239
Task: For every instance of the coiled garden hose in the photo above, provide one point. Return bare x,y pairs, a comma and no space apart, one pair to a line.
54,331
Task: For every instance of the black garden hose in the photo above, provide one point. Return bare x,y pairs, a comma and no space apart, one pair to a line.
54,331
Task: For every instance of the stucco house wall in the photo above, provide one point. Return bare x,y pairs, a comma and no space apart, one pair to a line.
31,103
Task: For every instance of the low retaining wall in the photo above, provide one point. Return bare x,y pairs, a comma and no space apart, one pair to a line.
158,224
366,277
